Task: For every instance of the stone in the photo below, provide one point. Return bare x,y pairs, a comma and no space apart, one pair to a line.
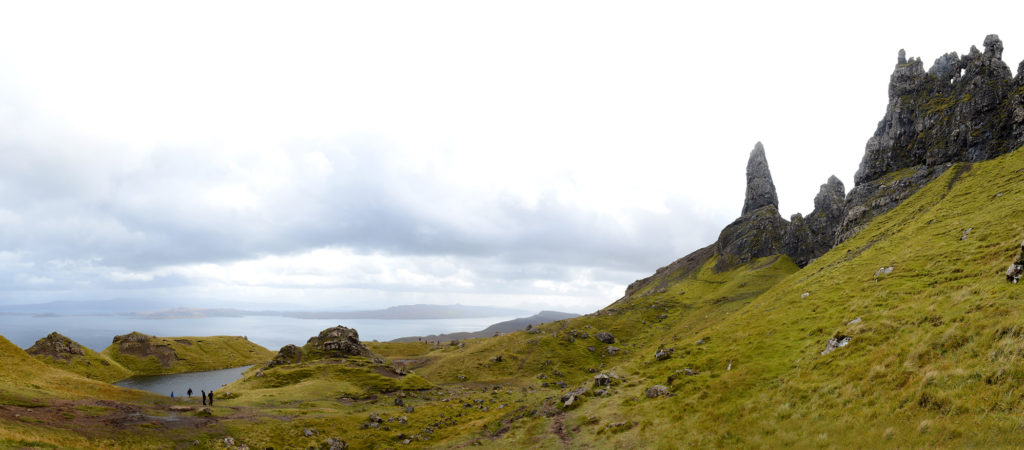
410,409
308,433
883,271
496,359
837,341
611,350
229,442
656,391
334,444
690,372
1016,269
805,295
662,354
604,379
760,188
853,322
604,337
966,233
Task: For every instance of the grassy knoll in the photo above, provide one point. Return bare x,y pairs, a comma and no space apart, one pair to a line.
151,355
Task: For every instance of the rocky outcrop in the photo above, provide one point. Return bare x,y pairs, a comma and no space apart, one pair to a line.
141,345
760,188
338,341
1016,269
763,232
57,346
963,109
289,354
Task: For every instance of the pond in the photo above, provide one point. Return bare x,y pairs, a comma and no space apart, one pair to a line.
180,383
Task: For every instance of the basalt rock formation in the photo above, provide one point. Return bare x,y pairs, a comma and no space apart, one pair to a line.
963,109
57,346
338,341
141,345
760,231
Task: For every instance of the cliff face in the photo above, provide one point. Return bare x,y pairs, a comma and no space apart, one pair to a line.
963,109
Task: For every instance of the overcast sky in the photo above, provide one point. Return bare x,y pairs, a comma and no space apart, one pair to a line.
345,156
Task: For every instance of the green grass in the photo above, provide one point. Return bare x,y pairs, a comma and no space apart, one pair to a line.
91,365
193,354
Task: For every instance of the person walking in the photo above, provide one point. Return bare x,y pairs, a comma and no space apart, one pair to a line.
211,398
203,395
189,392
172,394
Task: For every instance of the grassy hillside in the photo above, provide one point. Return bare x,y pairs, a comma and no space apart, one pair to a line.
151,355
934,359
66,354
44,407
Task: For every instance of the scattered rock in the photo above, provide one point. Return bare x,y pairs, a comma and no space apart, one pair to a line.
605,379
496,359
611,350
334,444
702,341
854,321
1016,269
308,433
663,354
805,294
229,442
689,371
838,341
604,337
590,348
883,271
410,409
656,391
461,377
966,233
399,401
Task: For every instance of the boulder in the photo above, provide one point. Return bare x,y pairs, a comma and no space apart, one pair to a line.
656,391
662,354
837,341
605,337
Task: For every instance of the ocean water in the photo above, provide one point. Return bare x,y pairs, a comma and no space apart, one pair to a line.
97,332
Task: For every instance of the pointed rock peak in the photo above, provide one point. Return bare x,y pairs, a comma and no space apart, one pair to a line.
902,58
993,46
760,188
832,195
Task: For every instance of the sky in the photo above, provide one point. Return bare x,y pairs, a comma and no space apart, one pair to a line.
357,155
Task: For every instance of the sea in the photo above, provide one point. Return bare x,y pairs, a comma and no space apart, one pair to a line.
98,331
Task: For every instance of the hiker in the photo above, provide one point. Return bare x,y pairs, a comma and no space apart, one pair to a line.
211,398
172,394
189,392
203,395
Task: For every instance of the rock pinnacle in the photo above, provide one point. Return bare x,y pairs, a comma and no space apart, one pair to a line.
760,188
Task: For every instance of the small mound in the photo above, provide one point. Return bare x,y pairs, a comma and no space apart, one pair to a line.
337,342
56,346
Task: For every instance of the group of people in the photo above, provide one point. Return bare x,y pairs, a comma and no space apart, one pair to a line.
202,394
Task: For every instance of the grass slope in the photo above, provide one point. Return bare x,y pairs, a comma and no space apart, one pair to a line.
91,365
191,354
935,359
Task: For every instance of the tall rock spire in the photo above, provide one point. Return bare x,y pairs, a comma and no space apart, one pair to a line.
760,188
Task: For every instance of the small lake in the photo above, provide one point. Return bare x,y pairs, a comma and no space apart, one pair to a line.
180,383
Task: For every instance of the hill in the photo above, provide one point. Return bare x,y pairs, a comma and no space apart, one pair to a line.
64,353
507,326
150,355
